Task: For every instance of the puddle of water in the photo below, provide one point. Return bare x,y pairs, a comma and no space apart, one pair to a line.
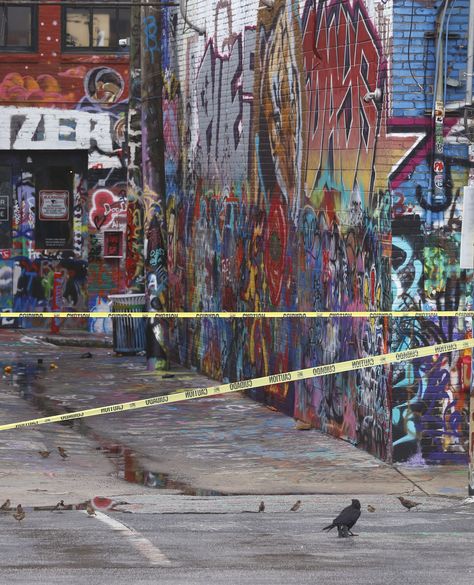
29,379
129,469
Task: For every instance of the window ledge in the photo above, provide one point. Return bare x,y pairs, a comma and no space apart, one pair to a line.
79,57
13,57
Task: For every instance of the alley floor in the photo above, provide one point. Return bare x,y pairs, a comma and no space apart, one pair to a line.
199,445
176,488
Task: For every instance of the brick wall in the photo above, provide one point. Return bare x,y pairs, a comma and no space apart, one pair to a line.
279,199
430,396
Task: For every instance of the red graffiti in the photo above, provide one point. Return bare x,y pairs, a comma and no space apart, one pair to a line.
106,207
276,236
343,60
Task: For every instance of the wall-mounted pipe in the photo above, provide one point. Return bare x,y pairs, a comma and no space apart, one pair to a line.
470,54
183,5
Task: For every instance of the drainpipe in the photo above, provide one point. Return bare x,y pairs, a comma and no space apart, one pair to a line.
437,116
469,75
154,184
470,54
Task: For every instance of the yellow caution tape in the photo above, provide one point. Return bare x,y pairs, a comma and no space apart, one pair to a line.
296,375
237,315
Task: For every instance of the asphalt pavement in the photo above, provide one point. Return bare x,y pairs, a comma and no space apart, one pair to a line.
179,539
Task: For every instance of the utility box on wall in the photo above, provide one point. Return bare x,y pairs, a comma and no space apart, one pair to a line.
466,259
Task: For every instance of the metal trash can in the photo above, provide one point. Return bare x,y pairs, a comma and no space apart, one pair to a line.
128,332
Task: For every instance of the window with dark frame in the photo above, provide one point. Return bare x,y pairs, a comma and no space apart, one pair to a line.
17,27
90,28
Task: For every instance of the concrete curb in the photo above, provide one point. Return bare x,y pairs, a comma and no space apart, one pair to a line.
75,342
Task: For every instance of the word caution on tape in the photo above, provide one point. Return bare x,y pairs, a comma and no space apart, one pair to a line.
236,315
296,375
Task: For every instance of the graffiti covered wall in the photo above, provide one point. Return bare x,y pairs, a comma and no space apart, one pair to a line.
61,109
430,396
280,200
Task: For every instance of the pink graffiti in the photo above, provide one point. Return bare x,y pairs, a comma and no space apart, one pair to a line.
107,207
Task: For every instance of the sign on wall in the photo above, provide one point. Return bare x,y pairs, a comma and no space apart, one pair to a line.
54,205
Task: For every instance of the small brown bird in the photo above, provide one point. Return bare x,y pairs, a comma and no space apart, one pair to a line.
261,508
44,454
370,508
63,453
408,504
59,505
296,506
90,509
5,505
19,514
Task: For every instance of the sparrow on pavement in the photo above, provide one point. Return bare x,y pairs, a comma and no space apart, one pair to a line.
296,506
90,509
370,508
19,514
408,504
63,453
261,508
44,454
5,505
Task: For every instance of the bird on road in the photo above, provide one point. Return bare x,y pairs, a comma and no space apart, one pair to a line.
346,520
261,508
90,509
19,514
408,504
86,355
59,505
44,454
370,508
63,453
296,506
5,505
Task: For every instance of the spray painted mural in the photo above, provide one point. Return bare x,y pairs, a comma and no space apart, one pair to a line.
430,397
345,228
310,178
62,111
281,203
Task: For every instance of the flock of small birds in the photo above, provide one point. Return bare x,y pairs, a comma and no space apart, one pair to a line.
344,522
61,450
348,517
20,514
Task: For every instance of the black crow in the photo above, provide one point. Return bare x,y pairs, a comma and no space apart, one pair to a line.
346,520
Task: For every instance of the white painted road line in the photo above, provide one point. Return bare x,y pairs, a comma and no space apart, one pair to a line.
142,544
